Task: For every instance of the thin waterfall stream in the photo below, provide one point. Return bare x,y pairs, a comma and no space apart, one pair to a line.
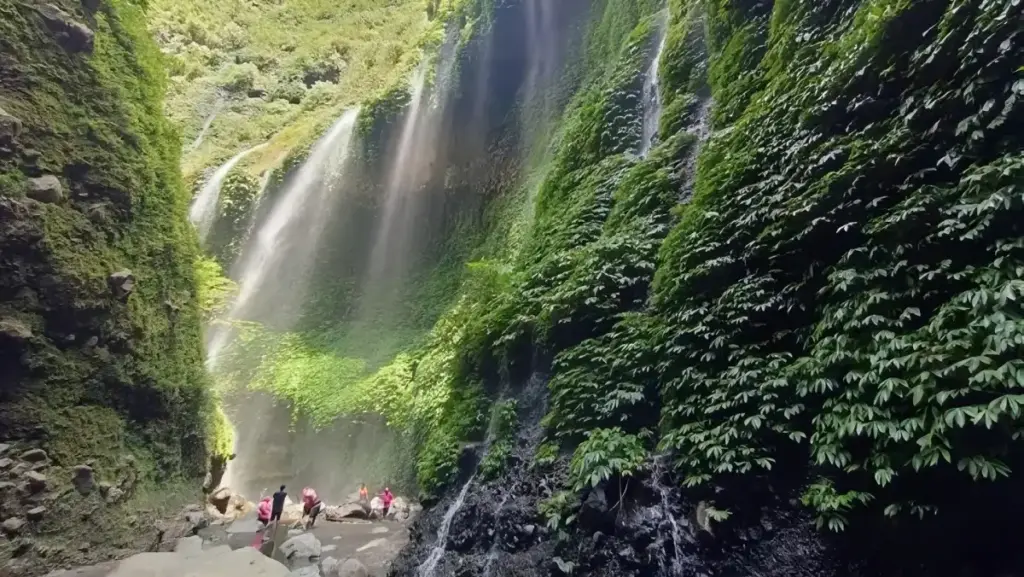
426,569
203,211
652,94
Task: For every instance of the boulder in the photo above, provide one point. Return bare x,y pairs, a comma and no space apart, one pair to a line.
36,481
36,513
6,463
83,479
351,568
114,495
196,520
347,511
73,36
329,567
46,188
13,525
4,447
14,331
304,546
122,283
220,499
400,508
311,571
10,127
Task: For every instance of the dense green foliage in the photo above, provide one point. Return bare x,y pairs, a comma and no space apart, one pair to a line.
97,368
826,296
841,294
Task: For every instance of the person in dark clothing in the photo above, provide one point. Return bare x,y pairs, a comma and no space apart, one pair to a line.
278,506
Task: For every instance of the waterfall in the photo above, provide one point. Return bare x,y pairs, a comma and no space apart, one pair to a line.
415,160
426,569
297,219
206,125
651,94
203,211
675,568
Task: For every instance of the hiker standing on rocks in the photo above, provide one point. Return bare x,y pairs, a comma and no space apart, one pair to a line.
364,495
278,506
311,505
263,511
387,497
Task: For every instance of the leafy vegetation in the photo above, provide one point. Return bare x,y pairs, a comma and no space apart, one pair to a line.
839,300
263,70
604,455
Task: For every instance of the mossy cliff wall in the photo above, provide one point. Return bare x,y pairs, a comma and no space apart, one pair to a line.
828,305
100,342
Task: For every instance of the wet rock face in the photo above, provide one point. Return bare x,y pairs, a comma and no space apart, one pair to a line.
643,536
498,530
73,36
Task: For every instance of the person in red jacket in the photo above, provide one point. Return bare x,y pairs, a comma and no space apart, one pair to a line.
387,497
311,506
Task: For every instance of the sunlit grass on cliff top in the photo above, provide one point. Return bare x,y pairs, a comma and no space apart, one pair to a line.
276,68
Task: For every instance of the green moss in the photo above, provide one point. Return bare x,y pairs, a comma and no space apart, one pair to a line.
104,374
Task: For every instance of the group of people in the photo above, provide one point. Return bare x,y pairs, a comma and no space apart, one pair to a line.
385,498
270,508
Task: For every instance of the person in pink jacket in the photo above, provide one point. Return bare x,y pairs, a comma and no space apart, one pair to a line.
263,511
387,497
311,506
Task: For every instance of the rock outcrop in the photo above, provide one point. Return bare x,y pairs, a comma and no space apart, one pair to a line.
46,188
70,34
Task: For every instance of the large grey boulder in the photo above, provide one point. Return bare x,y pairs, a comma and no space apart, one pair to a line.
311,571
347,511
46,188
304,546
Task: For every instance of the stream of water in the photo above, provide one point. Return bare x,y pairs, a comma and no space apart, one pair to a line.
652,94
296,220
426,569
203,211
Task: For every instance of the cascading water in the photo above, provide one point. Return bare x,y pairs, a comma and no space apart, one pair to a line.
206,125
414,162
652,95
673,567
204,208
426,569
297,217
269,269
